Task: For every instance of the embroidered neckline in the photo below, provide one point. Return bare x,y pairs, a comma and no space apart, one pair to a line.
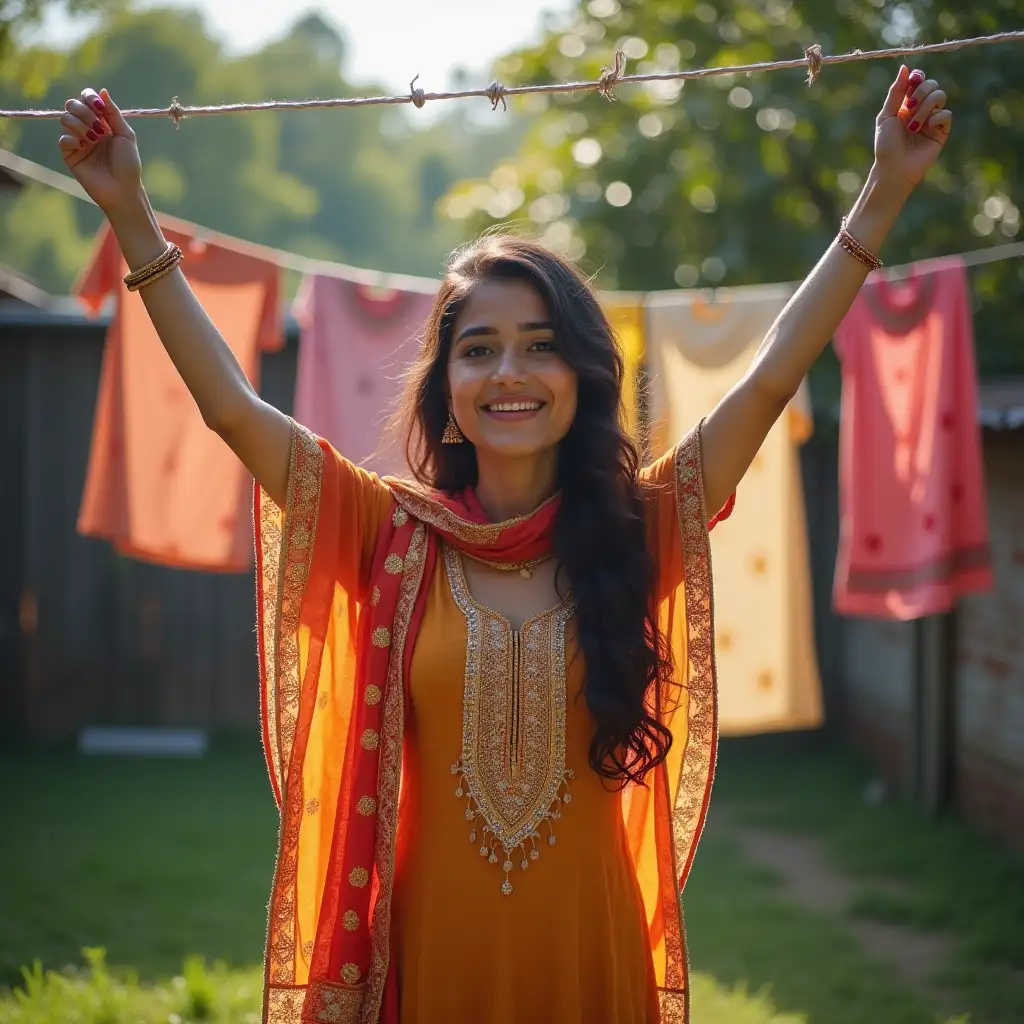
512,771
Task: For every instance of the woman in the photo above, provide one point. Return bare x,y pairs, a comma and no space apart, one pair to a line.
514,649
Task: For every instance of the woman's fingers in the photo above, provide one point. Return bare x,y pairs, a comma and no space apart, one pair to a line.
76,126
89,118
928,104
113,114
938,126
897,93
70,144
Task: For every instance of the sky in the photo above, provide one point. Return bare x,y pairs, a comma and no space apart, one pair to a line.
389,41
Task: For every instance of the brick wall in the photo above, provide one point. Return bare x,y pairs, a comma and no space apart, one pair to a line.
879,668
990,659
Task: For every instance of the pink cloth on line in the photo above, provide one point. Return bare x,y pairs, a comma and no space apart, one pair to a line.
356,344
913,524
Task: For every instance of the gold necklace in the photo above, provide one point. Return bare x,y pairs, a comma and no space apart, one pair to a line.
524,568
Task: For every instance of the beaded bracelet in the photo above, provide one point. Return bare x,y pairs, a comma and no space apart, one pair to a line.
154,270
856,250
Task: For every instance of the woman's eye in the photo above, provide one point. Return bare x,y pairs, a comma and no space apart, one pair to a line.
544,345
475,351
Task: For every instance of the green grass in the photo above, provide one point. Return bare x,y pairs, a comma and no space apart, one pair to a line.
165,863
150,859
949,878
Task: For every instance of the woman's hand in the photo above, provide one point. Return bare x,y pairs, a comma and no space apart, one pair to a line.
911,129
100,150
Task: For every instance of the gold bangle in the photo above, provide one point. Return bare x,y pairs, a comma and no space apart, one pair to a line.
155,269
856,250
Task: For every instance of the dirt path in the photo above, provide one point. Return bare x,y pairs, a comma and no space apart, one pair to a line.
810,882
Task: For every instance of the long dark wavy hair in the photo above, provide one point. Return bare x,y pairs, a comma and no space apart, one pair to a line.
599,534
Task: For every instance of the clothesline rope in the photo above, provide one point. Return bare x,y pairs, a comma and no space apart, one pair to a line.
610,78
32,171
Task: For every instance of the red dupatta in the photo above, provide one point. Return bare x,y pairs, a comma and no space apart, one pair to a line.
334,667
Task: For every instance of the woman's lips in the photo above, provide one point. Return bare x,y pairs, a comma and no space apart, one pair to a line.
512,411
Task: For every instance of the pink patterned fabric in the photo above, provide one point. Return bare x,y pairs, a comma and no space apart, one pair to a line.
913,523
357,342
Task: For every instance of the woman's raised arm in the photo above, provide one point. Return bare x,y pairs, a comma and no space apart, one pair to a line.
99,149
910,131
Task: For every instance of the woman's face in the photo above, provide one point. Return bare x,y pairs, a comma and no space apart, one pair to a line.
512,395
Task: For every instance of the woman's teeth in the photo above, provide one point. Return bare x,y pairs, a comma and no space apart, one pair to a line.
513,406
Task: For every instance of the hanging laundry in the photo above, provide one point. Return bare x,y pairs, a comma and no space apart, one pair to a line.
697,350
357,342
625,313
161,486
913,523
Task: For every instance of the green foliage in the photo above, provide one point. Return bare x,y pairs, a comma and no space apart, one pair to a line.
98,994
736,180
357,185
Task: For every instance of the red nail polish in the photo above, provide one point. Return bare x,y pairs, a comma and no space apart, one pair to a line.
97,127
99,105
911,103
917,76
91,135
82,143
913,126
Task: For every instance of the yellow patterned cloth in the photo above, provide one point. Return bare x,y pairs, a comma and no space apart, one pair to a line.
767,665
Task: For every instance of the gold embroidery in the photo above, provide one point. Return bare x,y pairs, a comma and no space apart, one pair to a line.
359,877
764,680
389,776
312,805
381,637
369,739
332,1003
375,597
372,695
424,506
393,564
350,920
674,1005
696,772
512,772
350,974
285,554
759,564
401,517
307,949
366,806
322,700
284,1005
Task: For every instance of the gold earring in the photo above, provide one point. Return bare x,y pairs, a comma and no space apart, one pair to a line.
452,434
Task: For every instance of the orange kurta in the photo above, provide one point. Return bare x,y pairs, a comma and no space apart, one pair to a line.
592,928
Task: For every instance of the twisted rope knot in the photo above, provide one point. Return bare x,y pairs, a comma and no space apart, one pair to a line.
176,112
814,62
610,77
496,94
418,96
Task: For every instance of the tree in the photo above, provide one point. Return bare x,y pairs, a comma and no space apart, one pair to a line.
738,180
358,185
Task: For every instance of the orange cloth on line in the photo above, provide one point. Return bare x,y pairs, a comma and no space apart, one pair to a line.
161,486
592,931
764,621
913,529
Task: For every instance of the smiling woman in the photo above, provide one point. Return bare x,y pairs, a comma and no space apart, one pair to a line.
516,647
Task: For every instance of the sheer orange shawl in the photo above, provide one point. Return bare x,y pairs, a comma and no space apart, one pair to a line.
333,657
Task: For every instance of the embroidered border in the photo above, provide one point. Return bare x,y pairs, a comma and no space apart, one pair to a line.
675,1005
698,768
286,544
284,1005
429,510
390,776
332,1004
